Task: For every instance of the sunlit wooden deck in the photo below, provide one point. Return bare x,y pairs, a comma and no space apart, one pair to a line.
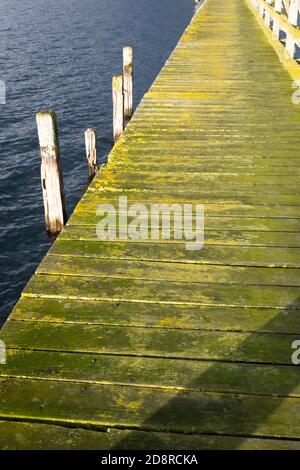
125,345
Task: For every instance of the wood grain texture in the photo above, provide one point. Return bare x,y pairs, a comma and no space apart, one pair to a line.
51,173
118,106
22,436
128,81
91,151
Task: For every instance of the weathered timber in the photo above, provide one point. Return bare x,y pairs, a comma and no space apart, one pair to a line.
118,106
128,81
91,151
51,174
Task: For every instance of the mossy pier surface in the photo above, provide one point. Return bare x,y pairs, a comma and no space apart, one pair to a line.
131,344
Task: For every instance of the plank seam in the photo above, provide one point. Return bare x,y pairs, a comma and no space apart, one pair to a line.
152,356
147,386
104,427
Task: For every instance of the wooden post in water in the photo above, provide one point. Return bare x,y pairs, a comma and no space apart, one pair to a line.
51,174
128,81
91,151
118,106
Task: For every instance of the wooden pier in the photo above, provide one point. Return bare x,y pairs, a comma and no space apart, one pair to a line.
144,344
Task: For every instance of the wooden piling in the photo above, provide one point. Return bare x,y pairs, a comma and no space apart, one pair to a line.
51,174
91,151
118,106
128,81
2,92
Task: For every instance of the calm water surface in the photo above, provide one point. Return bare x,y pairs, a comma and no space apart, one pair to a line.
61,54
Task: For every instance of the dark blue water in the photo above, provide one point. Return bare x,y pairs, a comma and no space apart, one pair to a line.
61,54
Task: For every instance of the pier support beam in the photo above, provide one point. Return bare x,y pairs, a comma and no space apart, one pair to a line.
91,151
51,174
128,81
118,106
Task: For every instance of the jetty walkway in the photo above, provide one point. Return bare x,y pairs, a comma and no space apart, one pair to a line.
144,344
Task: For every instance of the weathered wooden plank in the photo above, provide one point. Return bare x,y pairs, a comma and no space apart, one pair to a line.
170,316
212,237
157,372
274,157
212,108
211,222
209,197
178,272
210,254
91,203
181,132
172,164
236,99
180,343
149,409
34,436
86,288
196,195
141,180
212,147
